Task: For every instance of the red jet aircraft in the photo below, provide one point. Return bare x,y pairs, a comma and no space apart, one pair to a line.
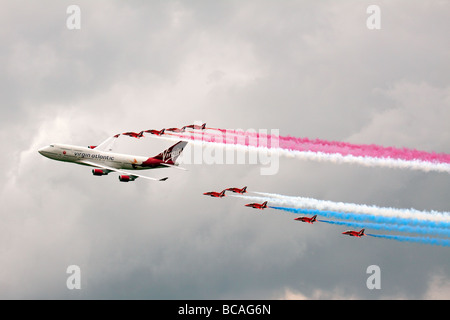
175,129
157,132
237,190
306,219
195,127
257,205
353,233
215,194
134,134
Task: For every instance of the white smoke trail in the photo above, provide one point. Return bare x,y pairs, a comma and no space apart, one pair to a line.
368,161
337,158
303,202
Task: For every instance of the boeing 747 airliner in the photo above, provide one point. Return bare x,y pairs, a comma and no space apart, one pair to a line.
104,161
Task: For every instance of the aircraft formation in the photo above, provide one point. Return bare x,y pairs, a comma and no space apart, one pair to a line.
103,161
161,132
262,206
102,158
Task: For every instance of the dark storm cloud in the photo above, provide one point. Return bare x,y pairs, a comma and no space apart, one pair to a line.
308,69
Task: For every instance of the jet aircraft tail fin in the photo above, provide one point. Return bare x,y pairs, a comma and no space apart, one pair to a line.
170,155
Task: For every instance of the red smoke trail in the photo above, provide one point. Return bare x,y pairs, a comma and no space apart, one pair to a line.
343,148
317,149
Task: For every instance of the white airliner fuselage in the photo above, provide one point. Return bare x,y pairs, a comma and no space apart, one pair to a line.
77,154
106,161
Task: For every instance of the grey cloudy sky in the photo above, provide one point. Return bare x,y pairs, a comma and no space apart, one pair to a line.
308,68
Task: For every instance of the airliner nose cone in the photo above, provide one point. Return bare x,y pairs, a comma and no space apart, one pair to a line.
43,151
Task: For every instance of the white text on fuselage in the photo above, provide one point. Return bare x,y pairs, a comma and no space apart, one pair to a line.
93,156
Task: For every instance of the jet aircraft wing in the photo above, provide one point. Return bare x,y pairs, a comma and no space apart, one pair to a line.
94,164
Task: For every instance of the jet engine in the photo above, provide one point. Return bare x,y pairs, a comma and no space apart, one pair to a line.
99,172
125,178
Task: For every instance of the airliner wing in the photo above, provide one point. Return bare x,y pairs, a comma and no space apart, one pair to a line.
172,166
108,144
94,164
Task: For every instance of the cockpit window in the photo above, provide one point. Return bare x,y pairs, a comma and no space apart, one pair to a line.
52,146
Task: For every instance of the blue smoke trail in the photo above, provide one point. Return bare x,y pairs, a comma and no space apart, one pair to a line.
425,240
302,202
378,222
366,217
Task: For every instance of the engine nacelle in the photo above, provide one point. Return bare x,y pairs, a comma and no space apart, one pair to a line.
99,172
125,178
